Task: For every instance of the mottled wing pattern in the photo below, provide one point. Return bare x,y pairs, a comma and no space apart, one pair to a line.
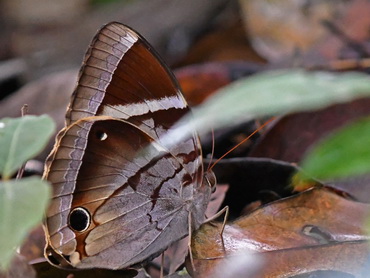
110,161
138,201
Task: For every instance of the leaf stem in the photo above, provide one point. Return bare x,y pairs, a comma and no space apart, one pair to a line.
20,172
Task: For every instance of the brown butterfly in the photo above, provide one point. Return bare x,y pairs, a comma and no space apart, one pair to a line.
120,196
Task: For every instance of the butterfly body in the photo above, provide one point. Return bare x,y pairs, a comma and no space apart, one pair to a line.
120,195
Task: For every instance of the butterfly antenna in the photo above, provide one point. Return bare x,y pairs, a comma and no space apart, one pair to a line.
242,142
213,149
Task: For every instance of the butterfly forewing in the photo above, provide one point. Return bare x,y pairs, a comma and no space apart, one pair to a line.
119,60
123,77
119,195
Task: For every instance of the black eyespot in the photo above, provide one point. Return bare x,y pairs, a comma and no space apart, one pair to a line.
101,135
79,219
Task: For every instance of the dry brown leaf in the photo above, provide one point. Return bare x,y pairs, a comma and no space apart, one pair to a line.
313,230
320,30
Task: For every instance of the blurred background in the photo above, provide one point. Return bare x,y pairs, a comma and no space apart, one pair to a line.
208,44
40,37
42,42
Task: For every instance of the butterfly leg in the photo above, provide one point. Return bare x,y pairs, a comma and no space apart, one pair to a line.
162,266
189,242
218,214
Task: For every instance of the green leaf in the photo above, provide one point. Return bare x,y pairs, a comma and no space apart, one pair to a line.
22,205
268,94
280,92
22,139
342,154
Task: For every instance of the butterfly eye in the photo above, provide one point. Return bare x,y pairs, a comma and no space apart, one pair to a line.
79,219
211,180
101,135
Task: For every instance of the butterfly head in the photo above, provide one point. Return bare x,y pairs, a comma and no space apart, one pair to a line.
210,179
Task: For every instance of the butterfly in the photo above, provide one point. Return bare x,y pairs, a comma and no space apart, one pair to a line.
120,195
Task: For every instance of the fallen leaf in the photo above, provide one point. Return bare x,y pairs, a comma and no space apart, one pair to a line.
313,230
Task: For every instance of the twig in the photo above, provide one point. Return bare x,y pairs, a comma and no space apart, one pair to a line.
24,111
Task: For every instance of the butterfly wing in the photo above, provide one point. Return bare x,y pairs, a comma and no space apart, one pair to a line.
120,197
136,201
120,60
123,77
